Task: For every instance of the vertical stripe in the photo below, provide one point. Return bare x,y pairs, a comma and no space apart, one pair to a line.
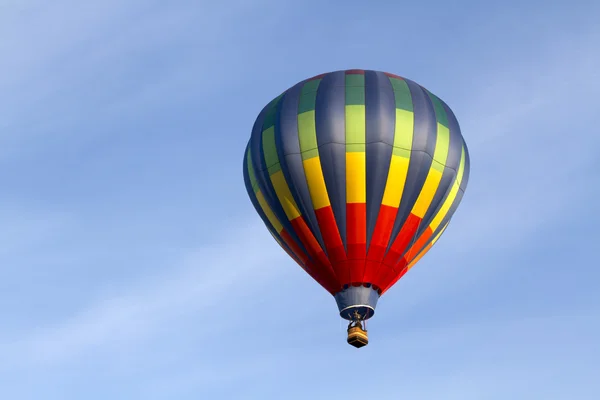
263,180
451,165
380,113
392,282
402,138
278,181
286,135
330,128
434,177
266,214
317,188
283,194
443,212
355,122
408,235
443,216
272,225
422,149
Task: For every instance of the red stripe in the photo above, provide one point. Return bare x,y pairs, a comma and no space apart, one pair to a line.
316,77
405,236
285,236
333,242
416,248
311,269
394,278
323,267
411,254
325,279
393,76
384,276
356,239
355,72
309,241
292,256
379,241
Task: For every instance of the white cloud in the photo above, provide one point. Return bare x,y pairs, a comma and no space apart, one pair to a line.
240,263
24,229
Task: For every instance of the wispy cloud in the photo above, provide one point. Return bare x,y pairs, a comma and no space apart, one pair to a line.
73,61
470,360
240,263
124,284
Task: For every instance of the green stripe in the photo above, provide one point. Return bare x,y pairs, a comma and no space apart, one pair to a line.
440,112
355,89
251,175
442,143
307,135
355,128
397,151
402,94
405,118
270,150
355,113
308,96
404,127
271,113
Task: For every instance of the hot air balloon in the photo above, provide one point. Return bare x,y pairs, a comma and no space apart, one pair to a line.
356,174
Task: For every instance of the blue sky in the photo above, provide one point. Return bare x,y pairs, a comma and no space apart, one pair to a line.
133,266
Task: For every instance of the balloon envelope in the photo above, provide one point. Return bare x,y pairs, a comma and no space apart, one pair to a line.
356,174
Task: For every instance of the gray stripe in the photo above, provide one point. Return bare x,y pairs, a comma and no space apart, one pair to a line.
264,183
423,146
259,209
330,120
380,114
286,138
449,174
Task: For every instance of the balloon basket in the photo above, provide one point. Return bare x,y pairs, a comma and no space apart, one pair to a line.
357,337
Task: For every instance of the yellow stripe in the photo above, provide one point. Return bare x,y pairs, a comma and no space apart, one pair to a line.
316,182
427,192
426,249
437,220
394,186
440,155
285,196
356,176
268,212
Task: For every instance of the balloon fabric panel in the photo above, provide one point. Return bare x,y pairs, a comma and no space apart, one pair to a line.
356,174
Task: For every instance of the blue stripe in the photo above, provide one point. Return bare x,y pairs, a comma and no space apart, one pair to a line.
467,173
450,170
457,149
456,146
264,182
448,216
330,120
286,130
380,114
423,147
259,209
